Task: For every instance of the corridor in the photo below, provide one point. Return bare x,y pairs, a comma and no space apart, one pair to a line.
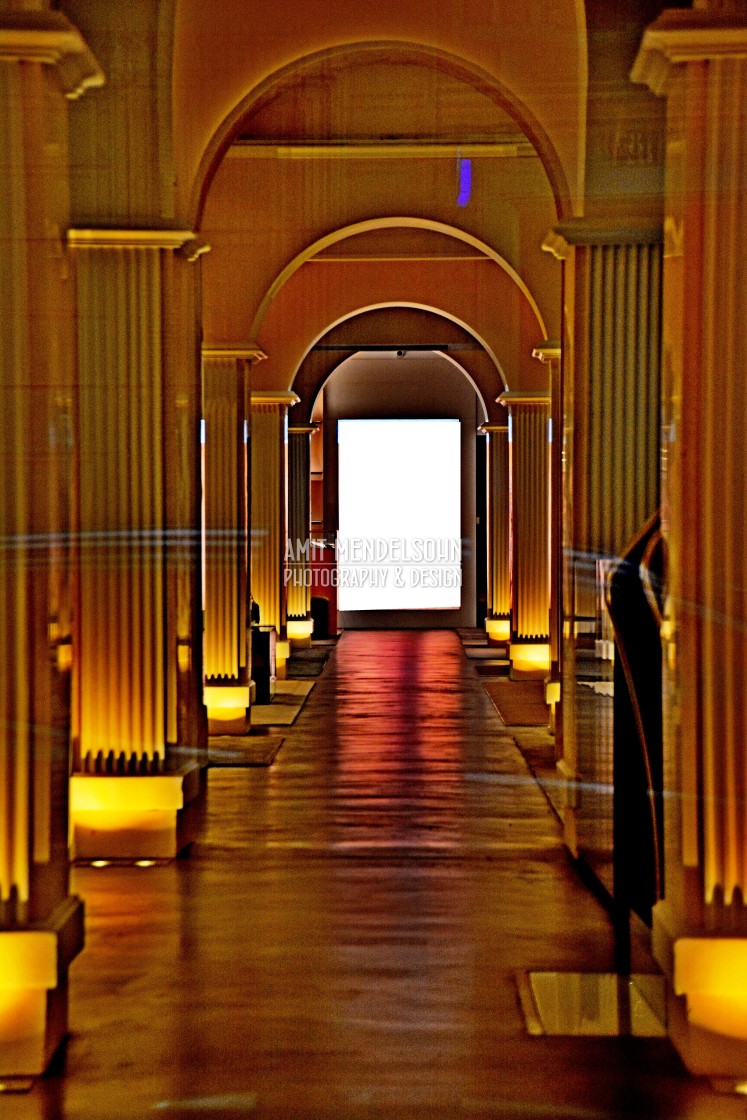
343,940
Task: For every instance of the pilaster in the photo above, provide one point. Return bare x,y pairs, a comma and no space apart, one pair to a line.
549,353
699,60
529,496
43,59
122,168
608,421
139,663
498,621
299,622
182,314
615,375
227,452
270,509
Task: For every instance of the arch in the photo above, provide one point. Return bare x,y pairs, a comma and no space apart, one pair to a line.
390,223
402,52
419,307
473,293
448,357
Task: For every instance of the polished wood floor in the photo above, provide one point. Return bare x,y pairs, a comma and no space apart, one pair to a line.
343,940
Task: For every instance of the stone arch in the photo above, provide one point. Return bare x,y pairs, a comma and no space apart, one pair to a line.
390,223
448,357
476,76
437,312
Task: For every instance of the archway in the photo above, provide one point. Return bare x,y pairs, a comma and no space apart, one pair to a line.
561,173
402,425
396,223
394,328
303,314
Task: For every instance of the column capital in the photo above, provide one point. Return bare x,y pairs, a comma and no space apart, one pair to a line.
277,398
303,429
249,351
548,352
599,231
681,36
51,39
486,429
195,248
526,397
130,238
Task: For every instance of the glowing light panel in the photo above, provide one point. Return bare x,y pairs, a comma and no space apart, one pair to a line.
464,167
399,544
499,629
530,657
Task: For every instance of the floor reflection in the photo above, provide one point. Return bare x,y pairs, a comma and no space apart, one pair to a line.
594,1004
399,764
342,941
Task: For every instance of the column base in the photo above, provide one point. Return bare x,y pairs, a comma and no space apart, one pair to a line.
133,817
282,653
706,1000
299,632
33,989
529,660
227,708
552,699
498,631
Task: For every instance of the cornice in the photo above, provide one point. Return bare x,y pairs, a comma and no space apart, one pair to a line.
131,238
279,397
556,244
523,396
51,39
510,147
194,249
249,351
680,36
599,231
548,352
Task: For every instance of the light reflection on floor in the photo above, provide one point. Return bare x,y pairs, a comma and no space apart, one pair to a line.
593,1004
343,940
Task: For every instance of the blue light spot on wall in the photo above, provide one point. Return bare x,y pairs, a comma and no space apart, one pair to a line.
464,170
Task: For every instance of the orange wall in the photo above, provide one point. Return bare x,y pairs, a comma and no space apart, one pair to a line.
264,213
261,213
477,293
226,48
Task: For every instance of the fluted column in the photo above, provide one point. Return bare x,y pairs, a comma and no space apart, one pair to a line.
529,475
609,442
549,353
227,443
698,60
42,59
498,621
270,508
225,506
298,574
182,451
611,391
139,573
